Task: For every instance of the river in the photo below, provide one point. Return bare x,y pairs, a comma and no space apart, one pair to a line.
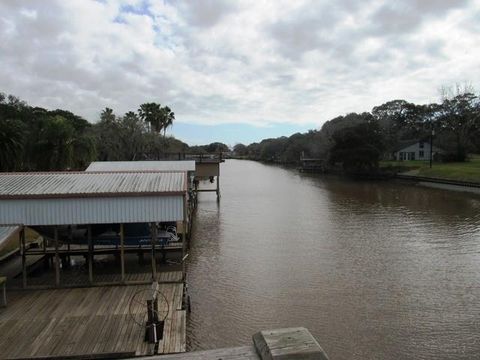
375,270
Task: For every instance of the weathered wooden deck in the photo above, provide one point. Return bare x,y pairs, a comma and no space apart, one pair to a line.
85,322
80,279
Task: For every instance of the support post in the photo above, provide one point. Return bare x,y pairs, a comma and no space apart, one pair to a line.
57,258
184,237
24,257
70,240
292,343
90,254
122,252
218,183
153,231
44,245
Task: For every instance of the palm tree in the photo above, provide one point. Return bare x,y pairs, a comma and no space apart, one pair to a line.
168,117
107,115
152,114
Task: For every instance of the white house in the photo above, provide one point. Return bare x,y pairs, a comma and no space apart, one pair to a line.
416,150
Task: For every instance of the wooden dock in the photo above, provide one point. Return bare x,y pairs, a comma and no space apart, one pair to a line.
90,322
79,279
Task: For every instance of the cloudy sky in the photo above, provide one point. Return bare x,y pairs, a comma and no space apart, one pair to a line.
236,71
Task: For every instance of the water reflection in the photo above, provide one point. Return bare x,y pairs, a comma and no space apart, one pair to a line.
374,270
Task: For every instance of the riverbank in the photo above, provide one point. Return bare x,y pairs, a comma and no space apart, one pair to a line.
468,171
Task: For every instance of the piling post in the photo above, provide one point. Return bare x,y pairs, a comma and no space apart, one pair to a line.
291,343
90,254
24,257
122,251
57,258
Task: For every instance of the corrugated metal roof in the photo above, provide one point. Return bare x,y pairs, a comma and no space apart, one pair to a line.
168,165
6,232
88,184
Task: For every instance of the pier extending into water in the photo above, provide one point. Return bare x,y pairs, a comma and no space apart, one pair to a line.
94,322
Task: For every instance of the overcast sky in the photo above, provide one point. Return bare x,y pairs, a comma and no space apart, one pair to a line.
265,67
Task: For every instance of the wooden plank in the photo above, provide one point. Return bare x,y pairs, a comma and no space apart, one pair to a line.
289,343
75,322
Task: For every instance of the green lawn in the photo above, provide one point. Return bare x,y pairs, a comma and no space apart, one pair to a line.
466,171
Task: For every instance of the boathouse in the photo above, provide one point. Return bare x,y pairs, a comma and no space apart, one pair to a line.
61,205
84,308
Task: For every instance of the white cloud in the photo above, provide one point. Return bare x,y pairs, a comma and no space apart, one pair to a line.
257,62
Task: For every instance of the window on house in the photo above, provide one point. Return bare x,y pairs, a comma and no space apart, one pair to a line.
421,144
421,154
411,156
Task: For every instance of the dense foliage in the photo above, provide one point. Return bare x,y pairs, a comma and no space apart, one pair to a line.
36,139
455,122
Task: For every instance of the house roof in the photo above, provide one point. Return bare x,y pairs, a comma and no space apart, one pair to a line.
167,165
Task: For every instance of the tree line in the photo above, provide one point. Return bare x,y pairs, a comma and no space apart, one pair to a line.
37,139
361,140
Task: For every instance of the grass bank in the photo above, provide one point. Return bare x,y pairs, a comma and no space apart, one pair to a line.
464,171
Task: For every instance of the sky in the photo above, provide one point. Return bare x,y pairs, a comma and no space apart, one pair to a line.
236,71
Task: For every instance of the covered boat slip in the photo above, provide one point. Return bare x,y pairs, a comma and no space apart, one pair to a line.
54,201
88,292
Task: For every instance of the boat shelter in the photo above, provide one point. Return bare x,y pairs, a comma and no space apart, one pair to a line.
65,199
166,165
187,166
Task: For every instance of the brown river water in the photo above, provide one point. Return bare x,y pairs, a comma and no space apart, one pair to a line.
375,270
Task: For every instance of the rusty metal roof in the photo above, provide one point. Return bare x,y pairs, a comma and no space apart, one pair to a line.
167,165
90,184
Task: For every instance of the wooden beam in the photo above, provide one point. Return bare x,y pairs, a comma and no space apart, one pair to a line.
122,251
184,236
90,255
57,258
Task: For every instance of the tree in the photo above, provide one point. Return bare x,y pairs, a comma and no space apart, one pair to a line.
358,148
240,150
132,135
107,132
11,143
401,120
460,116
168,117
107,115
153,115
55,146
216,147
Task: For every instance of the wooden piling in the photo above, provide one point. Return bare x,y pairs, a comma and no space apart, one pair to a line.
57,258
90,254
24,257
122,251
